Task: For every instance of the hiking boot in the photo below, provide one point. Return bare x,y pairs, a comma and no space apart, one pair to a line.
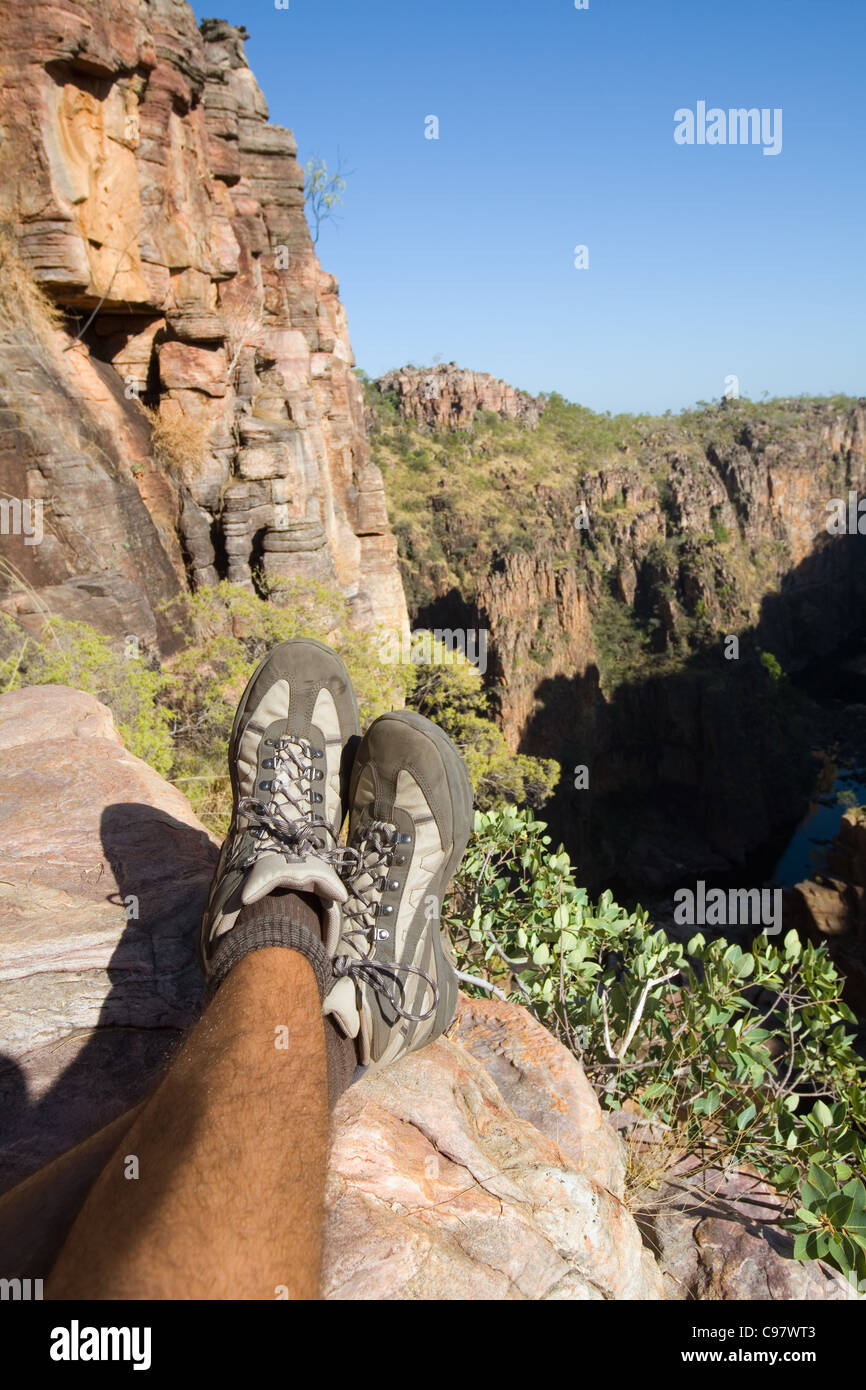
289,757
410,814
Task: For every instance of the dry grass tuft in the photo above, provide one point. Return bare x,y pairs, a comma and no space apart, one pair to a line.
24,306
180,443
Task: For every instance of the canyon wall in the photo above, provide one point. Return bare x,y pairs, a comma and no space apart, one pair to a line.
195,414
609,577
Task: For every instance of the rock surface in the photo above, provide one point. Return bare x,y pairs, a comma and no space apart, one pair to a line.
834,909
104,869
438,1189
152,200
480,1167
543,1084
722,1247
446,397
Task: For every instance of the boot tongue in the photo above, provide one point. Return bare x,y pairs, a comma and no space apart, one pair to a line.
309,875
341,1003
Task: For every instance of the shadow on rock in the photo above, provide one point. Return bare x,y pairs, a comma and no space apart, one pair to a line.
151,992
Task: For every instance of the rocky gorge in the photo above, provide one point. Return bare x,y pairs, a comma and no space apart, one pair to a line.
187,411
638,579
179,403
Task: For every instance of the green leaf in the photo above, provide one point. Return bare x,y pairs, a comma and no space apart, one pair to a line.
792,945
839,1208
746,1116
823,1114
808,1217
822,1180
854,1189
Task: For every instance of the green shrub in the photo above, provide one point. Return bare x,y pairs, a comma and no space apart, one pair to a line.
451,694
772,667
228,630
735,1056
71,653
831,1223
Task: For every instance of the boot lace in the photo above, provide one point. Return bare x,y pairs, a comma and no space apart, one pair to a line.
292,790
371,861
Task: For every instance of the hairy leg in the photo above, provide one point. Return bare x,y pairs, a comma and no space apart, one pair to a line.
231,1157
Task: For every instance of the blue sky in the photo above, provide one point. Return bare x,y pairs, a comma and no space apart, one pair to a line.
556,129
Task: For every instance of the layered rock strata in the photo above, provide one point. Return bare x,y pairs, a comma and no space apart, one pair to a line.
151,199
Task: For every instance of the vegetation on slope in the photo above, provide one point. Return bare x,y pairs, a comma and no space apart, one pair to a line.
178,716
724,1058
458,499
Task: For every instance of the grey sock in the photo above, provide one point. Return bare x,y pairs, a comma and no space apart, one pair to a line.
290,920
281,919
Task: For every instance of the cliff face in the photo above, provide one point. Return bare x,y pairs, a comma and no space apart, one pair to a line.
609,560
447,397
731,532
153,202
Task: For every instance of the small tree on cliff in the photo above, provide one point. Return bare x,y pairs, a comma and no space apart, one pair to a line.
323,191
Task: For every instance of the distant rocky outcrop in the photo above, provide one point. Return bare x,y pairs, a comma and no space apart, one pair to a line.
148,195
446,397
